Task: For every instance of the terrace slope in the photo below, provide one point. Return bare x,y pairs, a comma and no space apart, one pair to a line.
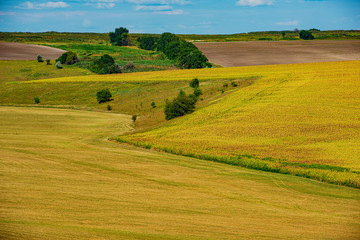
303,113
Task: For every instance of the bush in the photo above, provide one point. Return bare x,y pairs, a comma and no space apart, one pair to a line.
234,84
105,65
103,96
130,66
36,100
153,105
68,58
109,108
134,117
58,65
197,92
180,106
306,35
39,58
47,61
194,83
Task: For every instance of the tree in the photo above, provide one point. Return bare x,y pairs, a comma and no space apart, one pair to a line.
194,83
36,100
306,35
134,117
283,35
120,37
103,95
105,65
148,42
180,106
47,61
68,58
39,58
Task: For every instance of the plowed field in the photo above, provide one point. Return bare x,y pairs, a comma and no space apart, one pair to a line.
231,54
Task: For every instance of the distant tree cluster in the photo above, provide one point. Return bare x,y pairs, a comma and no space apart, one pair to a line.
105,65
186,54
120,37
306,35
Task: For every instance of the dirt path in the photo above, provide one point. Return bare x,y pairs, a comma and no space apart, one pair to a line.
231,54
21,51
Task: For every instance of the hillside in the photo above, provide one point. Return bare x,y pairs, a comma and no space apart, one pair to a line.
61,179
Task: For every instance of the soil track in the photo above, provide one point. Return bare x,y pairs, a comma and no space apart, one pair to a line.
231,54
21,51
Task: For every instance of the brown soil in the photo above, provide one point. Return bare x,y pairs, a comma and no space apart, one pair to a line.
21,51
230,54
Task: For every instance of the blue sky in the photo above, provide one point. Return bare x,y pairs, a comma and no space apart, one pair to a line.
177,16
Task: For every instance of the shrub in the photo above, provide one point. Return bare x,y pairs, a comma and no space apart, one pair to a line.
39,58
58,65
103,95
197,92
153,105
133,118
306,35
194,83
36,100
225,85
234,84
47,61
130,66
68,58
105,65
109,108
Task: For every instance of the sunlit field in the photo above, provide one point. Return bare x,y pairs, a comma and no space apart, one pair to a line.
62,179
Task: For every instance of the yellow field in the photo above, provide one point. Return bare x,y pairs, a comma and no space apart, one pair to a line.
61,179
302,113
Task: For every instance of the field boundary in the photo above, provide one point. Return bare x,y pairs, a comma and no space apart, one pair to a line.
320,172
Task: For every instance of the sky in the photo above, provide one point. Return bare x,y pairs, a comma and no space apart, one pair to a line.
178,16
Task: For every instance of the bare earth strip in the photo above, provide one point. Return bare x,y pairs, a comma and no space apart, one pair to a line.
231,54
21,51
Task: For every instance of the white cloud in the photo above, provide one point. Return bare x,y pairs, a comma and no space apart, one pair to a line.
29,5
289,23
105,5
163,2
153,8
172,12
254,3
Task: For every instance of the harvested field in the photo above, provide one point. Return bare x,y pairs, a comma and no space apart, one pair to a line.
21,51
231,54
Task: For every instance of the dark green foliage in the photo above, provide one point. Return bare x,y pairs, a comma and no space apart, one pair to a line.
197,92
103,95
120,37
105,65
68,58
36,100
306,35
180,106
225,85
148,42
39,58
283,34
109,108
165,39
58,65
47,61
234,84
153,105
194,83
134,117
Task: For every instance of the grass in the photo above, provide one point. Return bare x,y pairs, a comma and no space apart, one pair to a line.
294,112
62,179
18,70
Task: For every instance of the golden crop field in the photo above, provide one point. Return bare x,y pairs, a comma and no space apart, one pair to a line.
301,119
62,179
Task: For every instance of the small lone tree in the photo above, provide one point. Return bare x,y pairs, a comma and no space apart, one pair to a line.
153,105
180,106
109,108
194,83
306,35
39,58
103,95
105,65
58,65
36,100
283,35
68,58
47,61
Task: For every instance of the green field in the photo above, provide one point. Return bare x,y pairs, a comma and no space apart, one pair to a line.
62,179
